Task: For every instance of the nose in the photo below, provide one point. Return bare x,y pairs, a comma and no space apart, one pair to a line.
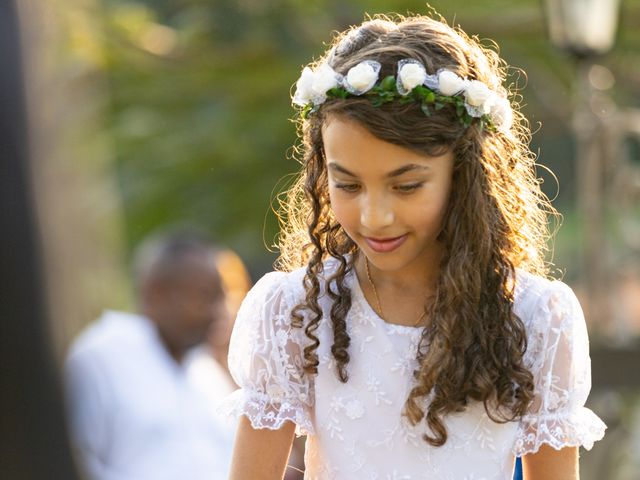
376,213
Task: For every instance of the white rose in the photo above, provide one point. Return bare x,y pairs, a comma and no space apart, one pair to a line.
477,94
501,113
362,77
304,93
411,75
324,79
449,83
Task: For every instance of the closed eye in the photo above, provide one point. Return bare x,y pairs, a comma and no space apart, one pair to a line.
348,187
408,187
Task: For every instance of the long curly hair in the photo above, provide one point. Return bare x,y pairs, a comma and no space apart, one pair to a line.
496,221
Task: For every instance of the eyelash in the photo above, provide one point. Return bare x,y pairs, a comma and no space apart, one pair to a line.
409,188
348,187
403,189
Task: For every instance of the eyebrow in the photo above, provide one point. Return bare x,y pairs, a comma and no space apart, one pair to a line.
410,167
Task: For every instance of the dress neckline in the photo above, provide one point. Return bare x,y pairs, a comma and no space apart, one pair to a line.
369,311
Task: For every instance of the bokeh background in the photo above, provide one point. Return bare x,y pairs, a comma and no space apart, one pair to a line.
151,113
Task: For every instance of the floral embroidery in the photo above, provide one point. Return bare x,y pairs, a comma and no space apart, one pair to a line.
333,428
373,385
354,409
396,476
364,342
356,429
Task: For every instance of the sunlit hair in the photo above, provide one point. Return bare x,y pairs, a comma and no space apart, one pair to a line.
496,221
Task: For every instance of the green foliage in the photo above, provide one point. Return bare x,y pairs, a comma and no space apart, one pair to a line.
200,99
386,91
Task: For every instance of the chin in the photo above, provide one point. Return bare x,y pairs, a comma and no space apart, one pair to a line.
396,260
390,264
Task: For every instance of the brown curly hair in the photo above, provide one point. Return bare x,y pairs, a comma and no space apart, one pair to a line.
496,221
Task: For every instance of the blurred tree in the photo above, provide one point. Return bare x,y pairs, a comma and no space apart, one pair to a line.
200,100
79,210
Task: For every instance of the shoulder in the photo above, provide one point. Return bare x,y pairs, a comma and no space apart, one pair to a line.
537,297
108,335
550,312
289,286
285,288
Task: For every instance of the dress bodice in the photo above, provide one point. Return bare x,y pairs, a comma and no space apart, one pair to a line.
356,430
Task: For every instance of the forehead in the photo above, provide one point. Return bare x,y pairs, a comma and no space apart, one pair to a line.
349,145
199,263
189,268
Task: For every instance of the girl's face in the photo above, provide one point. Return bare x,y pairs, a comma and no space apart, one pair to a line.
390,200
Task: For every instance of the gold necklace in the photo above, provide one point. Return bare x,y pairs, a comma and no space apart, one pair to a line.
377,297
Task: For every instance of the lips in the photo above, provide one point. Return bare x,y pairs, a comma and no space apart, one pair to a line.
385,245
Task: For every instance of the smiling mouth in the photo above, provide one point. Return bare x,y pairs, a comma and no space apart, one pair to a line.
384,245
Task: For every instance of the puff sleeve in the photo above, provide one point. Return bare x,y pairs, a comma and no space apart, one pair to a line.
558,356
266,361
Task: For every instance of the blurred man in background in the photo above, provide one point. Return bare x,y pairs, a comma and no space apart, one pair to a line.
137,411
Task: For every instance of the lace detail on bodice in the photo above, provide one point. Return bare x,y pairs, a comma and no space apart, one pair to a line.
357,429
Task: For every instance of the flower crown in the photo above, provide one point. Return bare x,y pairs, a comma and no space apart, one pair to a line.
471,98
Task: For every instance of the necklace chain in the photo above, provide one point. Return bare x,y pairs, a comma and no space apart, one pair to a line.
373,287
377,297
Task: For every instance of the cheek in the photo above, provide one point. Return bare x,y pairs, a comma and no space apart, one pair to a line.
430,216
343,211
430,211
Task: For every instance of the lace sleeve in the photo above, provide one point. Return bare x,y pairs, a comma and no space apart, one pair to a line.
266,361
559,360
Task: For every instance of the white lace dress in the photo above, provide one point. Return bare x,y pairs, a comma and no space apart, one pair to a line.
356,430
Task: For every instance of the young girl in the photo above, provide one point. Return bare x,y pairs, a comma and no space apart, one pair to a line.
420,338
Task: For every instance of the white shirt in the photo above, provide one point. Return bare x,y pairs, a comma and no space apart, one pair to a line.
356,430
136,414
